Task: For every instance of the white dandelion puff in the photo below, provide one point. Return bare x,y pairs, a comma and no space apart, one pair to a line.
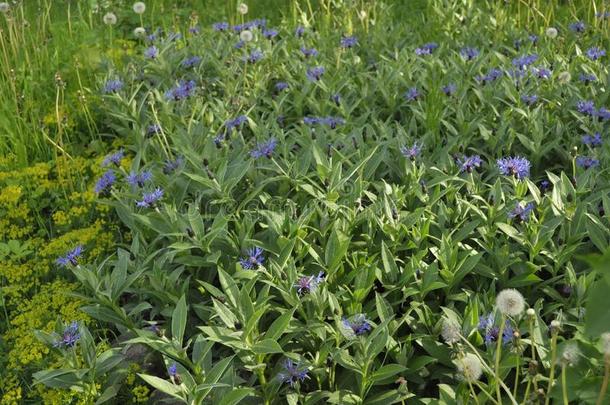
242,9
5,7
564,77
469,367
246,36
139,32
139,7
606,343
570,354
531,312
450,331
551,32
510,302
109,19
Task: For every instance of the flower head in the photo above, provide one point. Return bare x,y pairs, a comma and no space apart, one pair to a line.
309,284
5,7
570,354
349,42
181,91
586,107
578,27
172,370
220,26
426,49
112,86
470,163
412,94
411,152
172,165
469,53
109,19
551,32
254,56
587,78
450,89
139,179
246,36
450,331
529,99
487,325
542,72
235,123
139,7
264,149
191,62
314,74
564,77
152,52
517,166
253,260
592,141
139,32
469,367
71,258
150,199
280,86
105,182
309,52
521,213
356,326
292,373
524,61
510,302
69,337
492,75
299,31
586,162
242,8
595,53
114,158
270,33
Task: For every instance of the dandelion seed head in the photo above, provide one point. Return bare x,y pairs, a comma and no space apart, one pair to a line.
450,331
242,8
510,302
470,367
139,7
564,77
5,7
246,36
551,32
139,32
109,19
570,355
606,343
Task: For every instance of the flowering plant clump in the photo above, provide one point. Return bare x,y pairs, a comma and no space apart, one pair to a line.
355,210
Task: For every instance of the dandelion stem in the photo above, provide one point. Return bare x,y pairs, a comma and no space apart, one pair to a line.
474,394
602,392
552,373
498,356
564,389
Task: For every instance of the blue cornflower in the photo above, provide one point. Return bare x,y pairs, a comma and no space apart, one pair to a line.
311,120
529,99
315,73
595,53
71,258
578,26
469,53
172,370
149,199
469,163
105,182
254,56
604,14
220,26
521,213
153,129
309,284
487,324
545,185
524,61
426,49
280,86
172,165
181,91
235,123
240,44
292,373
514,166
270,33
333,122
357,326
264,149
587,78
114,158
69,337
113,86
586,107
349,42
191,62
603,113
592,141
542,72
194,30
299,31
586,162
412,94
336,98
254,259
533,38
411,152
139,179
309,52
450,89
491,76
151,52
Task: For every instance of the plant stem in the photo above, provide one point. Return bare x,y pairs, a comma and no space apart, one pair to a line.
564,389
474,395
498,356
552,374
602,392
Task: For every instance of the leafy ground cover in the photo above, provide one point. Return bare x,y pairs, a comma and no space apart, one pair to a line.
334,206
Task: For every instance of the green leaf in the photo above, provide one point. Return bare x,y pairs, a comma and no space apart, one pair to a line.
162,385
267,346
387,371
179,320
597,316
235,396
278,327
336,248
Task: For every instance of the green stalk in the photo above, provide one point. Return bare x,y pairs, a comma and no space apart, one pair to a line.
602,391
564,389
552,374
498,356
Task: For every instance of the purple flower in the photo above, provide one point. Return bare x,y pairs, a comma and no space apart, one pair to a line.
69,336
220,26
470,163
349,42
586,162
235,123
149,199
336,98
309,284
487,324
280,86
514,166
587,78
181,91
426,49
604,14
264,149
71,258
533,38
592,141
520,213
529,99
194,30
299,31
524,61
578,27
332,122
254,56
491,76
172,165
545,185
112,86
603,113
358,325
469,53
542,72
450,89
114,158
595,53
270,33
153,129
139,179
239,44
292,373
315,73
411,152
586,107
191,62
173,370
254,259
412,94
309,52
105,182
151,52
